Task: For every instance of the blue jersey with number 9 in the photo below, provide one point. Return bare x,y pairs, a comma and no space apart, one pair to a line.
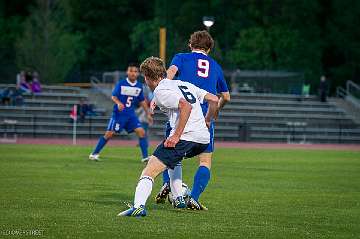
201,70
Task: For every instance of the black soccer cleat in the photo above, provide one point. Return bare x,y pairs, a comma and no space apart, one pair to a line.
163,194
192,204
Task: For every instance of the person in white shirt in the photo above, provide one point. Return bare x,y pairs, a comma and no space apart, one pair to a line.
189,136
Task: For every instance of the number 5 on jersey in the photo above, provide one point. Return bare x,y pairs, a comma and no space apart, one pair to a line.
129,101
203,68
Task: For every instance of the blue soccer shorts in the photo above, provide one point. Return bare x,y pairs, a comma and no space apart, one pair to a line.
127,122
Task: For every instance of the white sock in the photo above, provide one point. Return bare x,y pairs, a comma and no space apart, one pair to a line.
143,190
176,181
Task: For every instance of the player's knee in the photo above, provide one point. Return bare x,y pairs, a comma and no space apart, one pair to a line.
205,160
109,135
206,164
141,133
147,172
153,168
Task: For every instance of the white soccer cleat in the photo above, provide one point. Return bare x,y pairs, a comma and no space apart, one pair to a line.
94,157
145,160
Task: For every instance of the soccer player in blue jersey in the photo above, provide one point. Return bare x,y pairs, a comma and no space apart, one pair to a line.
204,72
126,95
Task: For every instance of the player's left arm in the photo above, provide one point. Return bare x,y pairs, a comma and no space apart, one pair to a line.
212,101
144,105
224,99
224,94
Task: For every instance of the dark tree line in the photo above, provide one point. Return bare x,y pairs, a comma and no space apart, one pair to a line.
311,36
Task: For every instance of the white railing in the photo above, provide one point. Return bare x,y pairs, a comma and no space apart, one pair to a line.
353,89
341,92
100,87
351,94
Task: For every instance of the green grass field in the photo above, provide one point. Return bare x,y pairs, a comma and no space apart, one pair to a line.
252,194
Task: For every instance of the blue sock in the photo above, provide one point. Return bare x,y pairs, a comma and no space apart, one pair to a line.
166,178
143,143
201,180
100,145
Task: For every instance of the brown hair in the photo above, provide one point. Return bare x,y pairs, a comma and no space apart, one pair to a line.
153,68
201,40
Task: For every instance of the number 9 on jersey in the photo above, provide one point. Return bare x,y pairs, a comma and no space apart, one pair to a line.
203,68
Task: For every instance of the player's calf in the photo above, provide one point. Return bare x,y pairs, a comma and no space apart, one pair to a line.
144,187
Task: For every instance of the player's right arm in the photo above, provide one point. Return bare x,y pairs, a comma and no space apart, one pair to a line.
118,102
184,114
170,99
114,97
175,65
171,72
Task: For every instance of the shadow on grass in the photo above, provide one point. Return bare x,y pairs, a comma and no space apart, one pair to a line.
121,199
107,199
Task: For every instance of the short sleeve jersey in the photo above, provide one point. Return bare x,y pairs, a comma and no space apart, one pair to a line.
201,70
167,96
130,95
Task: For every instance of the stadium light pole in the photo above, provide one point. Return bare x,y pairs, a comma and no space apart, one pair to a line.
208,21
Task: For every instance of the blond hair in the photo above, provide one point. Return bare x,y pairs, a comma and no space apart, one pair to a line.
153,68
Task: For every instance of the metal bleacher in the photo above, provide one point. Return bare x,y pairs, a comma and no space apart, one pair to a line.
280,118
47,114
248,117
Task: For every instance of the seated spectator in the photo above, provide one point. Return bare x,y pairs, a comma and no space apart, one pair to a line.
246,88
234,87
19,77
83,109
28,77
22,84
35,84
17,97
5,96
80,111
90,109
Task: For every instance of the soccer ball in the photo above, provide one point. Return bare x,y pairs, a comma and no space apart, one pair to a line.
185,192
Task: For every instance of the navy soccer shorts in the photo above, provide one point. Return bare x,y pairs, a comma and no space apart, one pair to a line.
210,148
183,149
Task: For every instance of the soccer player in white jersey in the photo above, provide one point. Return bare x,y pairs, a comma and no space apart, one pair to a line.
189,135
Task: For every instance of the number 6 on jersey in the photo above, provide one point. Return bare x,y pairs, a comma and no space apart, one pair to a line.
203,68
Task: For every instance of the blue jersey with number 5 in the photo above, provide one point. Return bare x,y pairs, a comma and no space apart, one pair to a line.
202,71
130,95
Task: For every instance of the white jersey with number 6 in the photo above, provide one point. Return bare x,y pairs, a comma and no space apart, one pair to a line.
167,96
